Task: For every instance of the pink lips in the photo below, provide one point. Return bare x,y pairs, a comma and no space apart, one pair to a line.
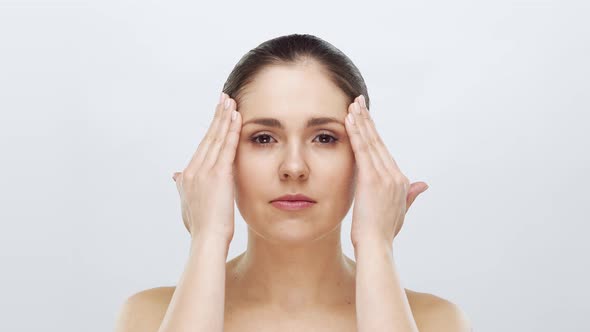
293,202
292,205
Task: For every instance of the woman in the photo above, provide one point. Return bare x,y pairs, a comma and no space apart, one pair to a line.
293,143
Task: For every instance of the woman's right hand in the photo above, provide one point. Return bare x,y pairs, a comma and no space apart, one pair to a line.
206,185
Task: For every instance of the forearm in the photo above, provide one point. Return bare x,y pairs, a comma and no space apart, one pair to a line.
381,301
199,299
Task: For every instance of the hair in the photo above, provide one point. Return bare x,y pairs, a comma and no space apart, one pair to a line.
295,49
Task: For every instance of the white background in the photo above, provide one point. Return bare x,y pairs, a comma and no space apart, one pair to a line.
487,102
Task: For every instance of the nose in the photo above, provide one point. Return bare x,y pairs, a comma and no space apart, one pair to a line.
294,166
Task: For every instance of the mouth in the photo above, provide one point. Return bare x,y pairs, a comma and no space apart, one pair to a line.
294,198
292,205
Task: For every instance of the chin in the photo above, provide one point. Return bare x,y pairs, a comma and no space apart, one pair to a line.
292,231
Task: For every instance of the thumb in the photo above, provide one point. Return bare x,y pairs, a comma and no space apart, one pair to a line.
175,176
415,189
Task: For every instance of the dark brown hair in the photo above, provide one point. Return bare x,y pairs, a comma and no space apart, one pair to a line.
294,49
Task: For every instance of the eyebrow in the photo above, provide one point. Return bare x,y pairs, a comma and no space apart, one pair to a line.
271,122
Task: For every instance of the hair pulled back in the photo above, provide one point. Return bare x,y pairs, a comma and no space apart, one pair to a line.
292,50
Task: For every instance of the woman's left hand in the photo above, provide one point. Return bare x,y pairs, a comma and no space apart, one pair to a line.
383,194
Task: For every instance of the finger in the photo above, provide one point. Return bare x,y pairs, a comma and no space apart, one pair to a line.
398,229
230,145
219,136
416,189
386,157
178,179
359,145
197,159
178,182
175,175
361,122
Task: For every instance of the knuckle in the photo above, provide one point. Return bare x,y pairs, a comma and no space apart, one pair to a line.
373,141
399,179
206,140
187,174
379,140
403,182
217,140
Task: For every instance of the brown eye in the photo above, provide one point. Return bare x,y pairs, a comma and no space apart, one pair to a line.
264,139
256,141
328,137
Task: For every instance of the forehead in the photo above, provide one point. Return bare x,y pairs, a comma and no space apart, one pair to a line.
283,90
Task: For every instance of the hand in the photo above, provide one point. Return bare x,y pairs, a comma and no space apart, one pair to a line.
383,194
206,185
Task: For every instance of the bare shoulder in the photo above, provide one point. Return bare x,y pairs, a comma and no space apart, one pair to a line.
144,310
434,313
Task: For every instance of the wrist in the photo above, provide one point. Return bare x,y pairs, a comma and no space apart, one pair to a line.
209,243
373,244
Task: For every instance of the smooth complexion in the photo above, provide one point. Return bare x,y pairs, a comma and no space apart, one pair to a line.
293,275
294,260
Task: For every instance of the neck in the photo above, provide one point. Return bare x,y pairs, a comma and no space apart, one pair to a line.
295,276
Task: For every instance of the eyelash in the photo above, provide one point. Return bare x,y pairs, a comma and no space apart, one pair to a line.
254,139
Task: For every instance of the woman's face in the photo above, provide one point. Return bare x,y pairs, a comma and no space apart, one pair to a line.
316,161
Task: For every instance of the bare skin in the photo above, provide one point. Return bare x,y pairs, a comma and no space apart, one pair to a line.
293,276
244,314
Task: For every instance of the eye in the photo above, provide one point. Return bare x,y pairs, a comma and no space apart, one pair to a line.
323,137
255,139
328,136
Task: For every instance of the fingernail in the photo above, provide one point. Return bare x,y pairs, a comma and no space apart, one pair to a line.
226,103
362,100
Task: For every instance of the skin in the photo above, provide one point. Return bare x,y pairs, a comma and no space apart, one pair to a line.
294,260
293,274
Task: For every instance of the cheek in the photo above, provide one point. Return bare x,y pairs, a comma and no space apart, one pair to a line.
340,177
337,174
250,171
343,162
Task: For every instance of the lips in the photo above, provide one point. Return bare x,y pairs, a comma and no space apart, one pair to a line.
292,205
294,197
